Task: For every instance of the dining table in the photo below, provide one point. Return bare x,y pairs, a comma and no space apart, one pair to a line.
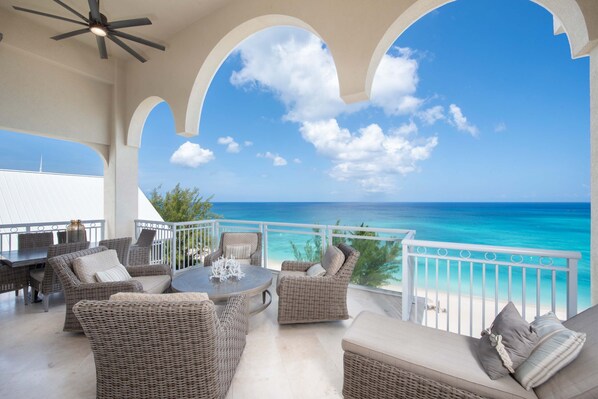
24,257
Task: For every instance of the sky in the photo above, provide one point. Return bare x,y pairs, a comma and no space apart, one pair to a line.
476,101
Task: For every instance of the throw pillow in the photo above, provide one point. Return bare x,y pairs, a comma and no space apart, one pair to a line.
86,267
507,343
117,273
316,270
238,251
142,297
333,260
558,347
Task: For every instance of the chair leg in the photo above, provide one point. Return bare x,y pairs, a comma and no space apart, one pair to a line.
16,292
26,295
46,302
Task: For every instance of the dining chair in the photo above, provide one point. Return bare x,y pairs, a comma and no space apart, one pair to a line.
139,253
45,280
27,241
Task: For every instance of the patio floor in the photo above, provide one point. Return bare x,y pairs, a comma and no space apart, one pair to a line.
38,359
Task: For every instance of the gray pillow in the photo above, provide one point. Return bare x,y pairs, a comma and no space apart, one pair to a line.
507,343
333,260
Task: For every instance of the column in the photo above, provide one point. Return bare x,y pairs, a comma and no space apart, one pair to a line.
594,172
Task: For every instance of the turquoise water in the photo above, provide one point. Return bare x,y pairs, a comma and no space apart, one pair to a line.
562,226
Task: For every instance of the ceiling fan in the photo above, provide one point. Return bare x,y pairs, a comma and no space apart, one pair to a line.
99,26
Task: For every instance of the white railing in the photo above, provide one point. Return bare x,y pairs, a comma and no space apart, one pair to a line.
464,286
9,233
191,241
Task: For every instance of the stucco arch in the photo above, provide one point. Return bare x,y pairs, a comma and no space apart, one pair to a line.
567,13
220,52
138,120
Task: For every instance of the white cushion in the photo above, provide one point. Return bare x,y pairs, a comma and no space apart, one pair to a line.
316,270
117,273
558,347
238,251
143,297
154,284
86,267
333,260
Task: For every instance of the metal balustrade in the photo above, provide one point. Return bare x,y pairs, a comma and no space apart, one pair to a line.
465,286
95,230
461,287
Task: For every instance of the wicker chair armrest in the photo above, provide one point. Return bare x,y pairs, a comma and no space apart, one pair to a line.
149,270
296,266
139,255
211,258
308,288
235,315
102,291
256,258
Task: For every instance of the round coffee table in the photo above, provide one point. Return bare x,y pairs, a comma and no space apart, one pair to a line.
197,279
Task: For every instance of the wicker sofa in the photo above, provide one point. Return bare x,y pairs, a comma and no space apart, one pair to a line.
145,278
164,350
390,358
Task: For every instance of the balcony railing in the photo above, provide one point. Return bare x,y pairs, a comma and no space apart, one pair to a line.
465,285
95,230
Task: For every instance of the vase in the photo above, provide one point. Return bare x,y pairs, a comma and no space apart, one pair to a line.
75,231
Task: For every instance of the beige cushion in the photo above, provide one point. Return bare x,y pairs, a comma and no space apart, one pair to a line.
177,297
435,354
316,270
87,266
288,273
238,251
558,347
154,284
580,378
240,238
38,274
333,260
244,261
117,273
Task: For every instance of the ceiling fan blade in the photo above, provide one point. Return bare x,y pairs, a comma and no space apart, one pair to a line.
77,13
49,15
127,23
102,47
125,47
70,34
94,10
138,40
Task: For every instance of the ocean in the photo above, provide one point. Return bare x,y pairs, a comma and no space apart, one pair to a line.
558,226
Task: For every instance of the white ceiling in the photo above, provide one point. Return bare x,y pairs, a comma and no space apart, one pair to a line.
168,17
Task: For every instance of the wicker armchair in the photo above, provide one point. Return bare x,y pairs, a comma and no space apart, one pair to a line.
254,239
14,279
122,247
305,299
45,280
139,253
75,290
165,349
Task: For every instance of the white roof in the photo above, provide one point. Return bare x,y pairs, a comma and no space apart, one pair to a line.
30,197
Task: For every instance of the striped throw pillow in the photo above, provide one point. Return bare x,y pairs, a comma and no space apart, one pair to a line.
116,273
238,251
558,347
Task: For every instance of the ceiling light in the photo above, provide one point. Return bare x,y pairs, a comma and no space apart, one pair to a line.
98,30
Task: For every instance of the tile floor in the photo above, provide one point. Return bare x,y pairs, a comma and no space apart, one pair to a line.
39,360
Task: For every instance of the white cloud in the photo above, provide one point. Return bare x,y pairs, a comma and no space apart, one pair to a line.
431,115
297,160
406,129
460,121
277,160
370,157
500,127
191,155
248,143
297,67
395,84
231,145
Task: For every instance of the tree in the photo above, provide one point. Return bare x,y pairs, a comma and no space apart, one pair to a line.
182,204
